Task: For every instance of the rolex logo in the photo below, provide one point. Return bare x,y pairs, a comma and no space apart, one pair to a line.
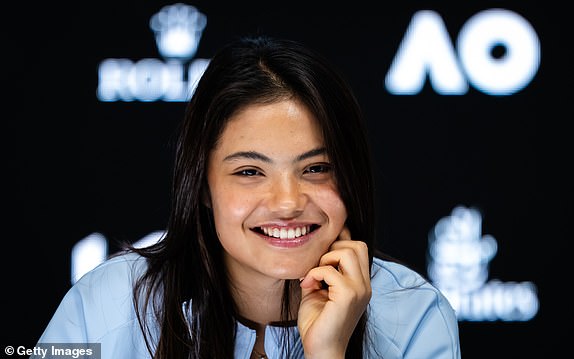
178,29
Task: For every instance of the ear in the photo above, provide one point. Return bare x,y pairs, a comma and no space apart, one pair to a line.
206,197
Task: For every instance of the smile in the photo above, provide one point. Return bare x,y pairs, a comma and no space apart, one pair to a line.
286,233
286,236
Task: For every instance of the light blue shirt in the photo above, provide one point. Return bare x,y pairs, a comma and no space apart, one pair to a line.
407,316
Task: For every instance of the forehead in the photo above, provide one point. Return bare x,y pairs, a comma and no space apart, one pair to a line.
260,126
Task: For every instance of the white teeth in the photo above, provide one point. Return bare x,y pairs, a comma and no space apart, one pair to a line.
286,233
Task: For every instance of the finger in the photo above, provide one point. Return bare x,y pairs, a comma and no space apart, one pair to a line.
310,284
348,255
345,234
317,275
362,249
345,260
341,289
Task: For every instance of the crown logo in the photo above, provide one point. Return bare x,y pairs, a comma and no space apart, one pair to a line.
178,29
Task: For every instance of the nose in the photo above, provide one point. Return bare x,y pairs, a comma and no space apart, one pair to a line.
287,198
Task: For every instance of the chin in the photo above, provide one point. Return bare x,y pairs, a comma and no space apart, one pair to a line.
291,271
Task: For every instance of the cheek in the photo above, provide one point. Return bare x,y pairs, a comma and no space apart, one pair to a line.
330,202
229,205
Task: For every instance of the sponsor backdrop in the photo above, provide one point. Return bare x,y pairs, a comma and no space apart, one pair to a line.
469,112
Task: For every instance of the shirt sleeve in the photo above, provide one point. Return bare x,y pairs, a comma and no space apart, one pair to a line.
409,318
99,308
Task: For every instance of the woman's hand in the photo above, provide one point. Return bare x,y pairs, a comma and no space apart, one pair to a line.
329,313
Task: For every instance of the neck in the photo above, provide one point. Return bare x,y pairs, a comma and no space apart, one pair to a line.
258,303
258,298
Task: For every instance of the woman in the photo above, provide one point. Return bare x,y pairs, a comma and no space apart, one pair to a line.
269,250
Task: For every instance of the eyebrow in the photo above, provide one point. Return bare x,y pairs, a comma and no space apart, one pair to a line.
254,155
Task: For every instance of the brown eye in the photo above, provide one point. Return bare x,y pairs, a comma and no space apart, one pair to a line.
248,173
322,168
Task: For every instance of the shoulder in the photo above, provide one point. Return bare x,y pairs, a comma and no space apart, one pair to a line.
117,273
396,285
408,316
111,279
100,304
388,275
108,288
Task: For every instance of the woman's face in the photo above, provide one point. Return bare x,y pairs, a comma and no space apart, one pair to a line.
275,203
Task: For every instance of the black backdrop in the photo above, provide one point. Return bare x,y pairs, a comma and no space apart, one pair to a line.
74,165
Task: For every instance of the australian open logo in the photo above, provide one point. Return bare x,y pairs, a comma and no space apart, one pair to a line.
459,255
178,29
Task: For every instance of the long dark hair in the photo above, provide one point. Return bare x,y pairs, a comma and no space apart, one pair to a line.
186,265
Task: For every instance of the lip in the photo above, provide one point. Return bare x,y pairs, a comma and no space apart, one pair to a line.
286,242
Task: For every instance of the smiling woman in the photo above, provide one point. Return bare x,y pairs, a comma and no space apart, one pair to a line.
269,250
271,188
